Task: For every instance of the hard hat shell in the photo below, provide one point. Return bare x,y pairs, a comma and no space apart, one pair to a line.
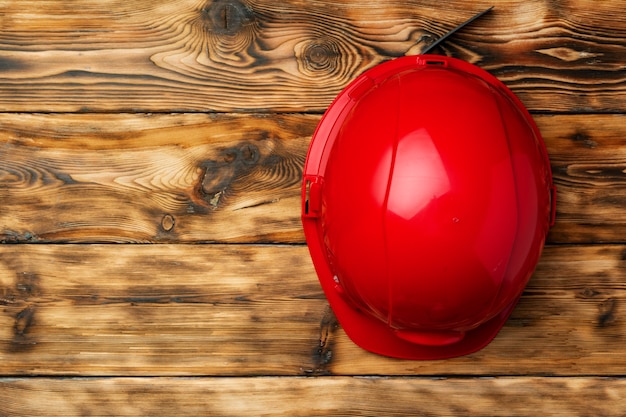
426,200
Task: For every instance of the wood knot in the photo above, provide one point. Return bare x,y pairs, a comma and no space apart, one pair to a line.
323,351
168,222
607,310
22,340
219,174
249,154
584,139
23,320
323,55
588,293
227,17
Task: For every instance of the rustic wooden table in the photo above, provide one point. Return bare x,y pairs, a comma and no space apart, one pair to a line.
153,260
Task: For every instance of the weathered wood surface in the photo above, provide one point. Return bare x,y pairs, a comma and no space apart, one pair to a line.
290,397
258,310
143,178
184,124
236,178
229,55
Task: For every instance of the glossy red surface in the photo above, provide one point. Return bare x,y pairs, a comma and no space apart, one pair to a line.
427,197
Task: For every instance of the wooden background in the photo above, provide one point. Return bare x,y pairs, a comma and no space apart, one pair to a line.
152,258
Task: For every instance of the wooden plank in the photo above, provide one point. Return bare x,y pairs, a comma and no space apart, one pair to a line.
226,55
588,157
581,396
109,309
236,178
164,178
258,310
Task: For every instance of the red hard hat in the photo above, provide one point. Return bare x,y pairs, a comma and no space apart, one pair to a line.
427,198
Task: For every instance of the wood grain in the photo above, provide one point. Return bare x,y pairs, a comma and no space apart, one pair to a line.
140,178
181,309
231,55
588,158
236,178
290,397
258,310
183,125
